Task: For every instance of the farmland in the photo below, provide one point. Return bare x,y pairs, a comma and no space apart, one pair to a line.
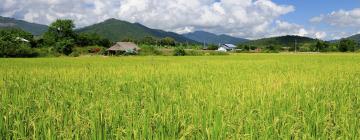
244,96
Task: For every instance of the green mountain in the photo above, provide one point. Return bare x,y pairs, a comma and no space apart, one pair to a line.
283,41
117,30
201,36
35,29
355,38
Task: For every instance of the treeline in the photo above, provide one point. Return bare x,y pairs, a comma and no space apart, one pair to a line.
59,39
343,45
62,39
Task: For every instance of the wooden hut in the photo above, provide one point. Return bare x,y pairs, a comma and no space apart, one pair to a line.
123,47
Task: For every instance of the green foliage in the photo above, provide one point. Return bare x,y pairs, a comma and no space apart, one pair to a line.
179,52
272,49
16,43
149,50
212,47
64,46
75,54
347,45
168,41
92,39
282,41
60,30
149,40
322,46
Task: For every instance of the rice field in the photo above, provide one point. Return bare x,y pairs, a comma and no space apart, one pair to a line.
247,96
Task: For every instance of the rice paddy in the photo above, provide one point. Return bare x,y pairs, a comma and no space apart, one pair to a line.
247,96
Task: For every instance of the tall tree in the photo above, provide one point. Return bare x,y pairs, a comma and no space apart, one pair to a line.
346,45
61,29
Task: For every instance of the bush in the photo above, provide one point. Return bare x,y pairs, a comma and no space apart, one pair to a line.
194,53
179,52
149,50
75,54
212,47
65,46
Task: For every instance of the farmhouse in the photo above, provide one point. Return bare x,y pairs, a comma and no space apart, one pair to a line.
226,47
123,47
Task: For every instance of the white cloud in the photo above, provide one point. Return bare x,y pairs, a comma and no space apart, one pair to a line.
340,18
286,28
243,18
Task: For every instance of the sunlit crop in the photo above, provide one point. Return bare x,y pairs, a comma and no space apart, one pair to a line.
248,96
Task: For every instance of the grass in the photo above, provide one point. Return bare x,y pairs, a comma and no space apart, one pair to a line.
247,96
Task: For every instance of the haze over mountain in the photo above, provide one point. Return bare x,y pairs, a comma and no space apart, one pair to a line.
34,28
283,41
117,30
210,38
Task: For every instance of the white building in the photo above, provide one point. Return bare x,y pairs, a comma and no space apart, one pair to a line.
226,47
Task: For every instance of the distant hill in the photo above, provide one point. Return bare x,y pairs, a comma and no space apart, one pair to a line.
284,41
117,30
201,36
35,29
355,38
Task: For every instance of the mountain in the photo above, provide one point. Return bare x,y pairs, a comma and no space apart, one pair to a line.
283,41
117,30
35,29
201,36
355,38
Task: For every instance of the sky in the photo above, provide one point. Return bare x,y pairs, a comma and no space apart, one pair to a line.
251,19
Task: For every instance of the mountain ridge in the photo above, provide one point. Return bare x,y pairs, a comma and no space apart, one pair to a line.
34,28
284,41
210,38
117,30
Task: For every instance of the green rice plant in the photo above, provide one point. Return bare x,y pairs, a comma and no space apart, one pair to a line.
240,96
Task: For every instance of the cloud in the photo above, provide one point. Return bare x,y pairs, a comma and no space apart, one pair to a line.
341,18
236,17
286,28
242,18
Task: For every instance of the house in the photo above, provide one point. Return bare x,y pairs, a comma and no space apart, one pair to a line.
226,47
22,39
123,47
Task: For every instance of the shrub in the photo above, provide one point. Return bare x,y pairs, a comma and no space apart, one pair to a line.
194,53
179,52
212,47
149,50
65,46
75,54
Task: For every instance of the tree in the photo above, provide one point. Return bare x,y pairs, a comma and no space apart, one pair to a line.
16,43
148,40
60,34
61,29
213,47
64,46
168,41
321,46
90,39
179,52
346,45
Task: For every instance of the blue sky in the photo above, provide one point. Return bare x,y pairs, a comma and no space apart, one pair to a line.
252,19
307,9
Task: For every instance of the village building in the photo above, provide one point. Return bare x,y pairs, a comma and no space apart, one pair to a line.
226,47
123,47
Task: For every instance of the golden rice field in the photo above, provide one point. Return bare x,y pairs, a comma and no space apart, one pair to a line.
247,96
